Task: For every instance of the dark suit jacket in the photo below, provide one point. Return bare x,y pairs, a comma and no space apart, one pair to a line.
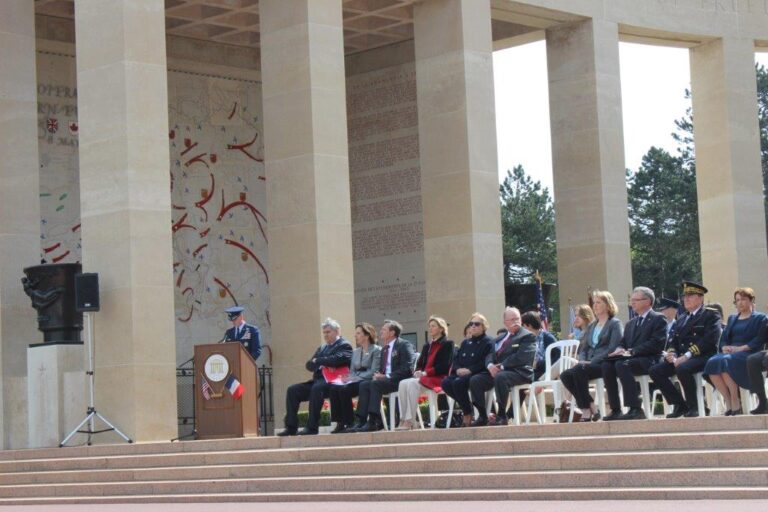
699,334
607,341
443,358
403,357
516,355
338,353
649,339
249,337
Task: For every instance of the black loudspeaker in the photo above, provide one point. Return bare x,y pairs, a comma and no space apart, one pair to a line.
87,292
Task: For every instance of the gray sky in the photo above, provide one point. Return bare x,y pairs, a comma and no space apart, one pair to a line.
653,81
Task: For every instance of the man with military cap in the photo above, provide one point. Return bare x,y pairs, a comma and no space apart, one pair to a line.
693,341
243,332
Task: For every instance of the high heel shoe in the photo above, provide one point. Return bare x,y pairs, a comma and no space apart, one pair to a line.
596,416
737,412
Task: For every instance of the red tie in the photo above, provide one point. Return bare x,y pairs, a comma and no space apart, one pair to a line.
384,356
503,343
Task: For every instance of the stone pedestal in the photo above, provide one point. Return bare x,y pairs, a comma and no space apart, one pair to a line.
56,392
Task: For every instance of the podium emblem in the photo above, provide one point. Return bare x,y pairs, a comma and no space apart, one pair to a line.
216,368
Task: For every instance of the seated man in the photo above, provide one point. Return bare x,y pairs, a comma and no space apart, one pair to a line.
757,363
335,352
509,363
397,358
693,341
243,332
639,348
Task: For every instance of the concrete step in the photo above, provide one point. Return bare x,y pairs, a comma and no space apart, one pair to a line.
687,425
554,494
562,461
687,478
711,440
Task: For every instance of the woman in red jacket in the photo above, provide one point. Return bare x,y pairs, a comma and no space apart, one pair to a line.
432,367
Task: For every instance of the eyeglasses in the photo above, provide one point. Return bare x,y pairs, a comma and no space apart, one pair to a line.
475,324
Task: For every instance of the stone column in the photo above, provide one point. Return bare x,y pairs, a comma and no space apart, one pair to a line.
588,162
126,210
728,172
459,168
307,170
19,211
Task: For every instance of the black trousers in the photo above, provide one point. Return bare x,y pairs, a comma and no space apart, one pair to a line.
314,391
370,393
576,380
341,402
756,365
458,388
478,385
625,371
661,373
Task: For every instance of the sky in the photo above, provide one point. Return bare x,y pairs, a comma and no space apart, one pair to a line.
653,83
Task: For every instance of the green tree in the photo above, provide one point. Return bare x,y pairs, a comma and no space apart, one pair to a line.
528,228
663,214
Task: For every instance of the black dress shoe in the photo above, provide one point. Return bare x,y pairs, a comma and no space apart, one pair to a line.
737,412
692,413
499,421
615,415
595,416
479,422
307,432
371,426
634,413
287,432
678,411
762,408
340,428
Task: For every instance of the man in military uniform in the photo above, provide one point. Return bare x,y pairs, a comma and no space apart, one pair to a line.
693,341
243,332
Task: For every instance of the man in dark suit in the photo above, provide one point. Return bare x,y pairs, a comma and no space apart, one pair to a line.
397,358
243,332
334,353
757,363
639,349
693,341
509,363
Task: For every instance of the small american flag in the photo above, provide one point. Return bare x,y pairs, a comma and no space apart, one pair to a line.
206,388
540,305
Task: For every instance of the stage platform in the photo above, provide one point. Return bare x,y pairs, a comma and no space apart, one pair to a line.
684,459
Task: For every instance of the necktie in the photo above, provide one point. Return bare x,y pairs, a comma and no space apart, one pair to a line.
384,357
639,321
504,342
237,332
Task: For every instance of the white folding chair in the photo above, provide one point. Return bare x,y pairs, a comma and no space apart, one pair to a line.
568,359
702,387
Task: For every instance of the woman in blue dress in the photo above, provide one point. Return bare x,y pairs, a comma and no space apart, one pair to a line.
744,335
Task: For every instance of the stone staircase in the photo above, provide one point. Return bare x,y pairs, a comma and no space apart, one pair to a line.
703,458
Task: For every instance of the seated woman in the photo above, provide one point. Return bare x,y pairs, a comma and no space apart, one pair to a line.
468,361
600,338
532,321
432,367
365,361
743,335
583,316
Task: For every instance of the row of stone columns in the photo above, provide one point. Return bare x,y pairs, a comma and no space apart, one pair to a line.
121,72
588,161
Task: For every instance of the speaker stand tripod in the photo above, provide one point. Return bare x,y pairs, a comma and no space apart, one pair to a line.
91,413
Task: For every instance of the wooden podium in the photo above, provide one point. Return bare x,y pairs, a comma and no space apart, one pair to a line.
221,415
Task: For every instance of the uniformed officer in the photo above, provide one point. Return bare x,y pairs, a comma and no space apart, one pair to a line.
692,342
243,332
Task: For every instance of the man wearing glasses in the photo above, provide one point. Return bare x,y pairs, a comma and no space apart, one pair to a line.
639,349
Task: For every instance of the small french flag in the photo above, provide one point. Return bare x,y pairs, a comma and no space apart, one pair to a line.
235,388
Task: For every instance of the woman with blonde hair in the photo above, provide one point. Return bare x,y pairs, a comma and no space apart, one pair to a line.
600,338
743,335
583,316
432,367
